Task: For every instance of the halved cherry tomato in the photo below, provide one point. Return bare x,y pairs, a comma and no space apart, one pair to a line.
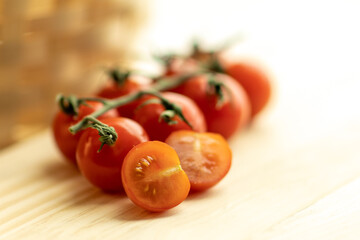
103,169
153,178
233,114
148,117
205,157
255,82
131,84
66,141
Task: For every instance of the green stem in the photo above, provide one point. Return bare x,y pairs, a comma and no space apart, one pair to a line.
170,83
70,105
107,133
94,99
110,104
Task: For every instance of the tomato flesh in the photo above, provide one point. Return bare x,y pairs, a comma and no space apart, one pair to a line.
153,178
205,157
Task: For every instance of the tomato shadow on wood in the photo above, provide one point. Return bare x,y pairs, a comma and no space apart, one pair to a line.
59,170
135,213
76,189
200,195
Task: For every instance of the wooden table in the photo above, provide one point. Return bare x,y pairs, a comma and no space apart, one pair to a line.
295,175
295,172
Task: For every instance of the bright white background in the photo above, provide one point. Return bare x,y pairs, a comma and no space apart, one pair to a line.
311,47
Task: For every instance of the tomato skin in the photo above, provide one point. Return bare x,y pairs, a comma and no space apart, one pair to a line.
255,82
132,84
148,117
178,65
103,169
153,178
67,142
233,115
205,157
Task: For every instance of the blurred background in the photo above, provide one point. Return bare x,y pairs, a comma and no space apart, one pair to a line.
51,46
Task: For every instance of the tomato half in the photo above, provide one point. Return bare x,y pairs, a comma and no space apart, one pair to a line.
153,178
132,84
67,142
103,169
205,157
233,114
255,82
148,117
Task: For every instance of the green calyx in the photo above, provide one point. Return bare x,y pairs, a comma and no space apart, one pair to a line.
119,77
107,133
196,50
214,65
70,105
165,59
168,117
171,109
216,87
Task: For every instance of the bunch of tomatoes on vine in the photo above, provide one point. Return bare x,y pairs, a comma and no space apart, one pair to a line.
160,139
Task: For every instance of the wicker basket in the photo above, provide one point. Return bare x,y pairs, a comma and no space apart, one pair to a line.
51,46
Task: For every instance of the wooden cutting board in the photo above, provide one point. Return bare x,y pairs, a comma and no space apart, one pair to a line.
289,180
295,171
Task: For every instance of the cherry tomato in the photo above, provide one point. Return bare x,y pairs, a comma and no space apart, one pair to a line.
103,169
205,157
66,141
233,114
148,117
131,84
153,178
178,65
253,79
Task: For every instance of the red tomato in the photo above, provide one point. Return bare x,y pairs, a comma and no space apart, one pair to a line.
205,157
153,178
255,82
132,84
178,65
66,141
148,117
103,169
227,118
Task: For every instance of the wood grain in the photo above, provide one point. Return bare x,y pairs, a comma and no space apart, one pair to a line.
272,186
336,216
295,171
